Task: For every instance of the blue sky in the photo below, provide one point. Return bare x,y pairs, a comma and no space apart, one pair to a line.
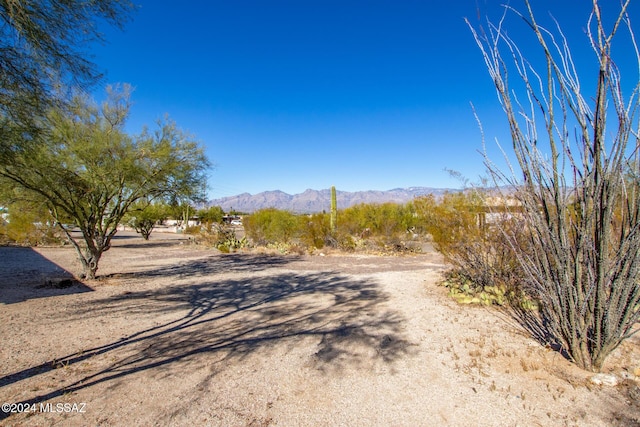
290,95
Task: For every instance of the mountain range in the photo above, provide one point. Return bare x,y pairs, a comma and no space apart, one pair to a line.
312,201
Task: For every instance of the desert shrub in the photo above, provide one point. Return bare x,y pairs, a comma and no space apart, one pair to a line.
314,230
384,227
180,211
388,222
192,229
29,226
345,242
221,237
227,241
210,216
286,248
271,226
484,267
397,244
453,218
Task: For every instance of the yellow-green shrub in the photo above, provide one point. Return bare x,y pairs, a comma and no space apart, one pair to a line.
29,226
314,230
484,266
388,222
271,226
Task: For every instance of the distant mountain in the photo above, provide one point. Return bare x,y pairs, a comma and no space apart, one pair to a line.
319,200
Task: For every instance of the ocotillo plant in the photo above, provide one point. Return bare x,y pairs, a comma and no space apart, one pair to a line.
577,180
334,209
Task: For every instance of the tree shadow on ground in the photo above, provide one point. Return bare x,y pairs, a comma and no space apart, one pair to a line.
148,245
214,264
230,319
26,274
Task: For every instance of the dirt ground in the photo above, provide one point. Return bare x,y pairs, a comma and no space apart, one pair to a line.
175,335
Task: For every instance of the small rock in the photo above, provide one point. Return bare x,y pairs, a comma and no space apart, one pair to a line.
636,371
627,375
604,379
386,341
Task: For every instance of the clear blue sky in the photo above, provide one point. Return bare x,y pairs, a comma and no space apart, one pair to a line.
290,95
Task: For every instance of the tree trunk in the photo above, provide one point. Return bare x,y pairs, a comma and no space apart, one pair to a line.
90,264
89,256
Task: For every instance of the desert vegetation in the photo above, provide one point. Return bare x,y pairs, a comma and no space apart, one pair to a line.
28,226
144,216
463,226
555,238
575,178
387,227
43,57
63,154
174,333
84,169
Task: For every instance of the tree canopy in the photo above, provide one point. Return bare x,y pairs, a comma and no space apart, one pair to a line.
43,58
85,168
42,45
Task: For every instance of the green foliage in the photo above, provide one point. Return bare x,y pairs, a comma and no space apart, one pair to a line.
571,148
385,227
485,268
221,237
452,219
231,244
43,46
29,225
314,230
144,216
467,291
181,211
271,226
347,242
85,167
227,241
210,216
286,248
387,220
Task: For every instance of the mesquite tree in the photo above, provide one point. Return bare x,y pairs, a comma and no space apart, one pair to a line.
87,170
576,178
43,47
144,216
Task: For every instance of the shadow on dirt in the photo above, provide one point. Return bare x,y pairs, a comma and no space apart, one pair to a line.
149,245
230,319
534,325
37,277
214,264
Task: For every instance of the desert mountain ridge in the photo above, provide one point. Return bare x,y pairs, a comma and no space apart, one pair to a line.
311,201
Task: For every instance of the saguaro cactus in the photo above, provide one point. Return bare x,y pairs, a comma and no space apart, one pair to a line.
334,209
